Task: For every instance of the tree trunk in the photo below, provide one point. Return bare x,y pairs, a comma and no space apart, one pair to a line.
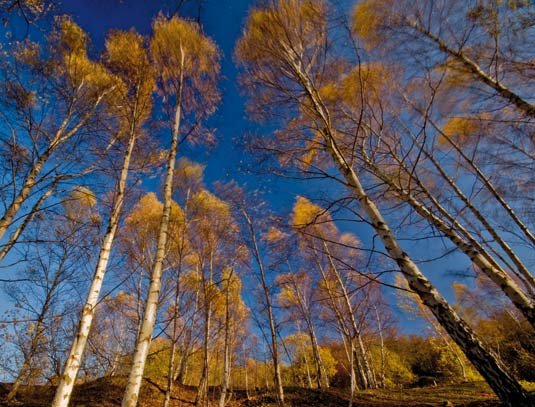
36,337
226,351
25,370
346,337
60,137
72,364
246,377
321,378
352,376
172,356
471,66
27,219
471,248
362,361
202,390
151,307
488,184
382,343
523,272
274,351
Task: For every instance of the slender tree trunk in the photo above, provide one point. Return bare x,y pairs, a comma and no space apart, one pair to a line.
151,307
246,373
182,368
489,185
172,355
471,248
382,343
321,378
60,137
170,372
506,93
26,366
362,361
346,337
274,351
309,378
523,271
307,366
226,351
16,233
352,376
72,364
23,372
357,357
36,337
202,390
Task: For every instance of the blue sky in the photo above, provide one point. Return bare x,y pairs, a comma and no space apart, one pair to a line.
223,22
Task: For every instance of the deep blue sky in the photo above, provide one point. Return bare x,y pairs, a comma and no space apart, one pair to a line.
223,22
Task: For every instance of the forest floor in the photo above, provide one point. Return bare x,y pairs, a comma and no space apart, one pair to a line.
107,392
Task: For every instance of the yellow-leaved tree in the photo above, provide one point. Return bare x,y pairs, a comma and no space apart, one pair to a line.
127,57
187,63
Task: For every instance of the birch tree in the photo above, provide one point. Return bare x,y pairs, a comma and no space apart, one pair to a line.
43,295
260,234
52,94
188,65
296,293
461,143
318,235
127,58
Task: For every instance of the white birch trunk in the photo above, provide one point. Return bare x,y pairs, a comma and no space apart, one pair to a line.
274,350
151,307
72,364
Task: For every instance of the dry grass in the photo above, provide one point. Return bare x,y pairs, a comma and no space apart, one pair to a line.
107,392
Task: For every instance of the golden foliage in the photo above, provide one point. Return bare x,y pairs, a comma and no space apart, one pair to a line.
28,53
35,6
312,151
287,297
287,26
189,175
84,196
306,213
127,57
143,222
126,54
179,49
69,46
21,97
274,235
460,129
68,37
207,203
81,205
213,223
349,239
367,22
371,82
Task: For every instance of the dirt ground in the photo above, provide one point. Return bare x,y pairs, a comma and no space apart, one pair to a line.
107,392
